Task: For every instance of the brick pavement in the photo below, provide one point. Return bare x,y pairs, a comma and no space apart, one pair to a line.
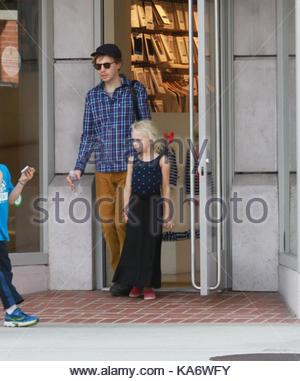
170,307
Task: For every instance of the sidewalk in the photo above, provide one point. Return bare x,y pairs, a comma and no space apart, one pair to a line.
145,342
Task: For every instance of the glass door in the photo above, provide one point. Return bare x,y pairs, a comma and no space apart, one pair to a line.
194,256
209,164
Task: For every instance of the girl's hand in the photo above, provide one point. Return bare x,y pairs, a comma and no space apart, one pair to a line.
168,225
26,176
126,210
126,217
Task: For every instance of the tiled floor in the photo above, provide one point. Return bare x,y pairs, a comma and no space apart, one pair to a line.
177,307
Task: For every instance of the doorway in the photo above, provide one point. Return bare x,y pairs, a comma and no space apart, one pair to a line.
155,38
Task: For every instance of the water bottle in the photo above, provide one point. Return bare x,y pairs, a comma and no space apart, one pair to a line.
76,183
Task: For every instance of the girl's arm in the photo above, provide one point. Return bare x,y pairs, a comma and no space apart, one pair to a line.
25,177
165,170
127,189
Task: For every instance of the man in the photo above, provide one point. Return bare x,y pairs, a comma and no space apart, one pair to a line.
110,110
10,298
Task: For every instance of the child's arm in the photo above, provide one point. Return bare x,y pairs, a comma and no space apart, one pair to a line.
165,170
127,189
25,177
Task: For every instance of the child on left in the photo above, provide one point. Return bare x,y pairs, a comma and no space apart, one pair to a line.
10,298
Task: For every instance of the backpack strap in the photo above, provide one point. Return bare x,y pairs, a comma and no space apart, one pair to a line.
135,101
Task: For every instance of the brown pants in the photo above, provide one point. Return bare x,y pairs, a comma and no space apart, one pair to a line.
109,194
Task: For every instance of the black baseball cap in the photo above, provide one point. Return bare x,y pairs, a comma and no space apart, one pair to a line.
110,50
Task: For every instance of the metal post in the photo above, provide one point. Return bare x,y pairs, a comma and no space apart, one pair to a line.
218,143
297,39
202,138
191,125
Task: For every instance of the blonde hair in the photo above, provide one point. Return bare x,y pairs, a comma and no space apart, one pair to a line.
147,128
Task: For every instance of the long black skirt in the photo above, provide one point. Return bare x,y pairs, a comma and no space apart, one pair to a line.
139,264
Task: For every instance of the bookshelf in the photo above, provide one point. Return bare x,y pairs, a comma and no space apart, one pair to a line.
159,52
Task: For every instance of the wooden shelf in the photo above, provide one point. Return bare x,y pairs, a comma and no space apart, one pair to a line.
162,31
164,65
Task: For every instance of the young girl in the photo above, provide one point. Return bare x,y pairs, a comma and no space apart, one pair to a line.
147,210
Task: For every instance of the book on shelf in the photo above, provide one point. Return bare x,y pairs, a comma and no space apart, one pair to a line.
149,15
157,80
169,48
195,15
135,22
170,12
183,55
141,13
149,81
174,49
137,41
149,48
186,15
159,48
138,75
180,19
161,14
186,42
143,75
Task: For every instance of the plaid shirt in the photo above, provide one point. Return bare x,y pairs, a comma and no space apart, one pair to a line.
107,126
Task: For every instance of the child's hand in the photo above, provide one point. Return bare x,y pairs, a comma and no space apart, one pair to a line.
1,177
125,212
168,224
27,175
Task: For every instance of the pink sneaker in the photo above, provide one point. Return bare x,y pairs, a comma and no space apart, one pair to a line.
149,294
135,292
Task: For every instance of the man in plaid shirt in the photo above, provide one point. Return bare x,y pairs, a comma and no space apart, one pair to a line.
108,116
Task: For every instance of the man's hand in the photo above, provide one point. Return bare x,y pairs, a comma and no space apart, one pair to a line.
26,176
75,173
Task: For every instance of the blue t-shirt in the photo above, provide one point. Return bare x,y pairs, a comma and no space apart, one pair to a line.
6,188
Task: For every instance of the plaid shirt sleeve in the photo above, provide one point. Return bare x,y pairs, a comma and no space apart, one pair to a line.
87,138
143,101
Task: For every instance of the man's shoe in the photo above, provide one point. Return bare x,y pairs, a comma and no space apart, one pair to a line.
19,319
120,290
135,292
149,294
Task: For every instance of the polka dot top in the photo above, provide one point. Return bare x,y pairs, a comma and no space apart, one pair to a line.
146,176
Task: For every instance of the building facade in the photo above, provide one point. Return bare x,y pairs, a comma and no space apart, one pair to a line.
250,122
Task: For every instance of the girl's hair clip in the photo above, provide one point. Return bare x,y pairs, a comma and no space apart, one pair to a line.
169,137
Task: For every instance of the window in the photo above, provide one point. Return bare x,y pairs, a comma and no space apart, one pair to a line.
19,110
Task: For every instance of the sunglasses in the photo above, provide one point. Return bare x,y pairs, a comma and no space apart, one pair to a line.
106,65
